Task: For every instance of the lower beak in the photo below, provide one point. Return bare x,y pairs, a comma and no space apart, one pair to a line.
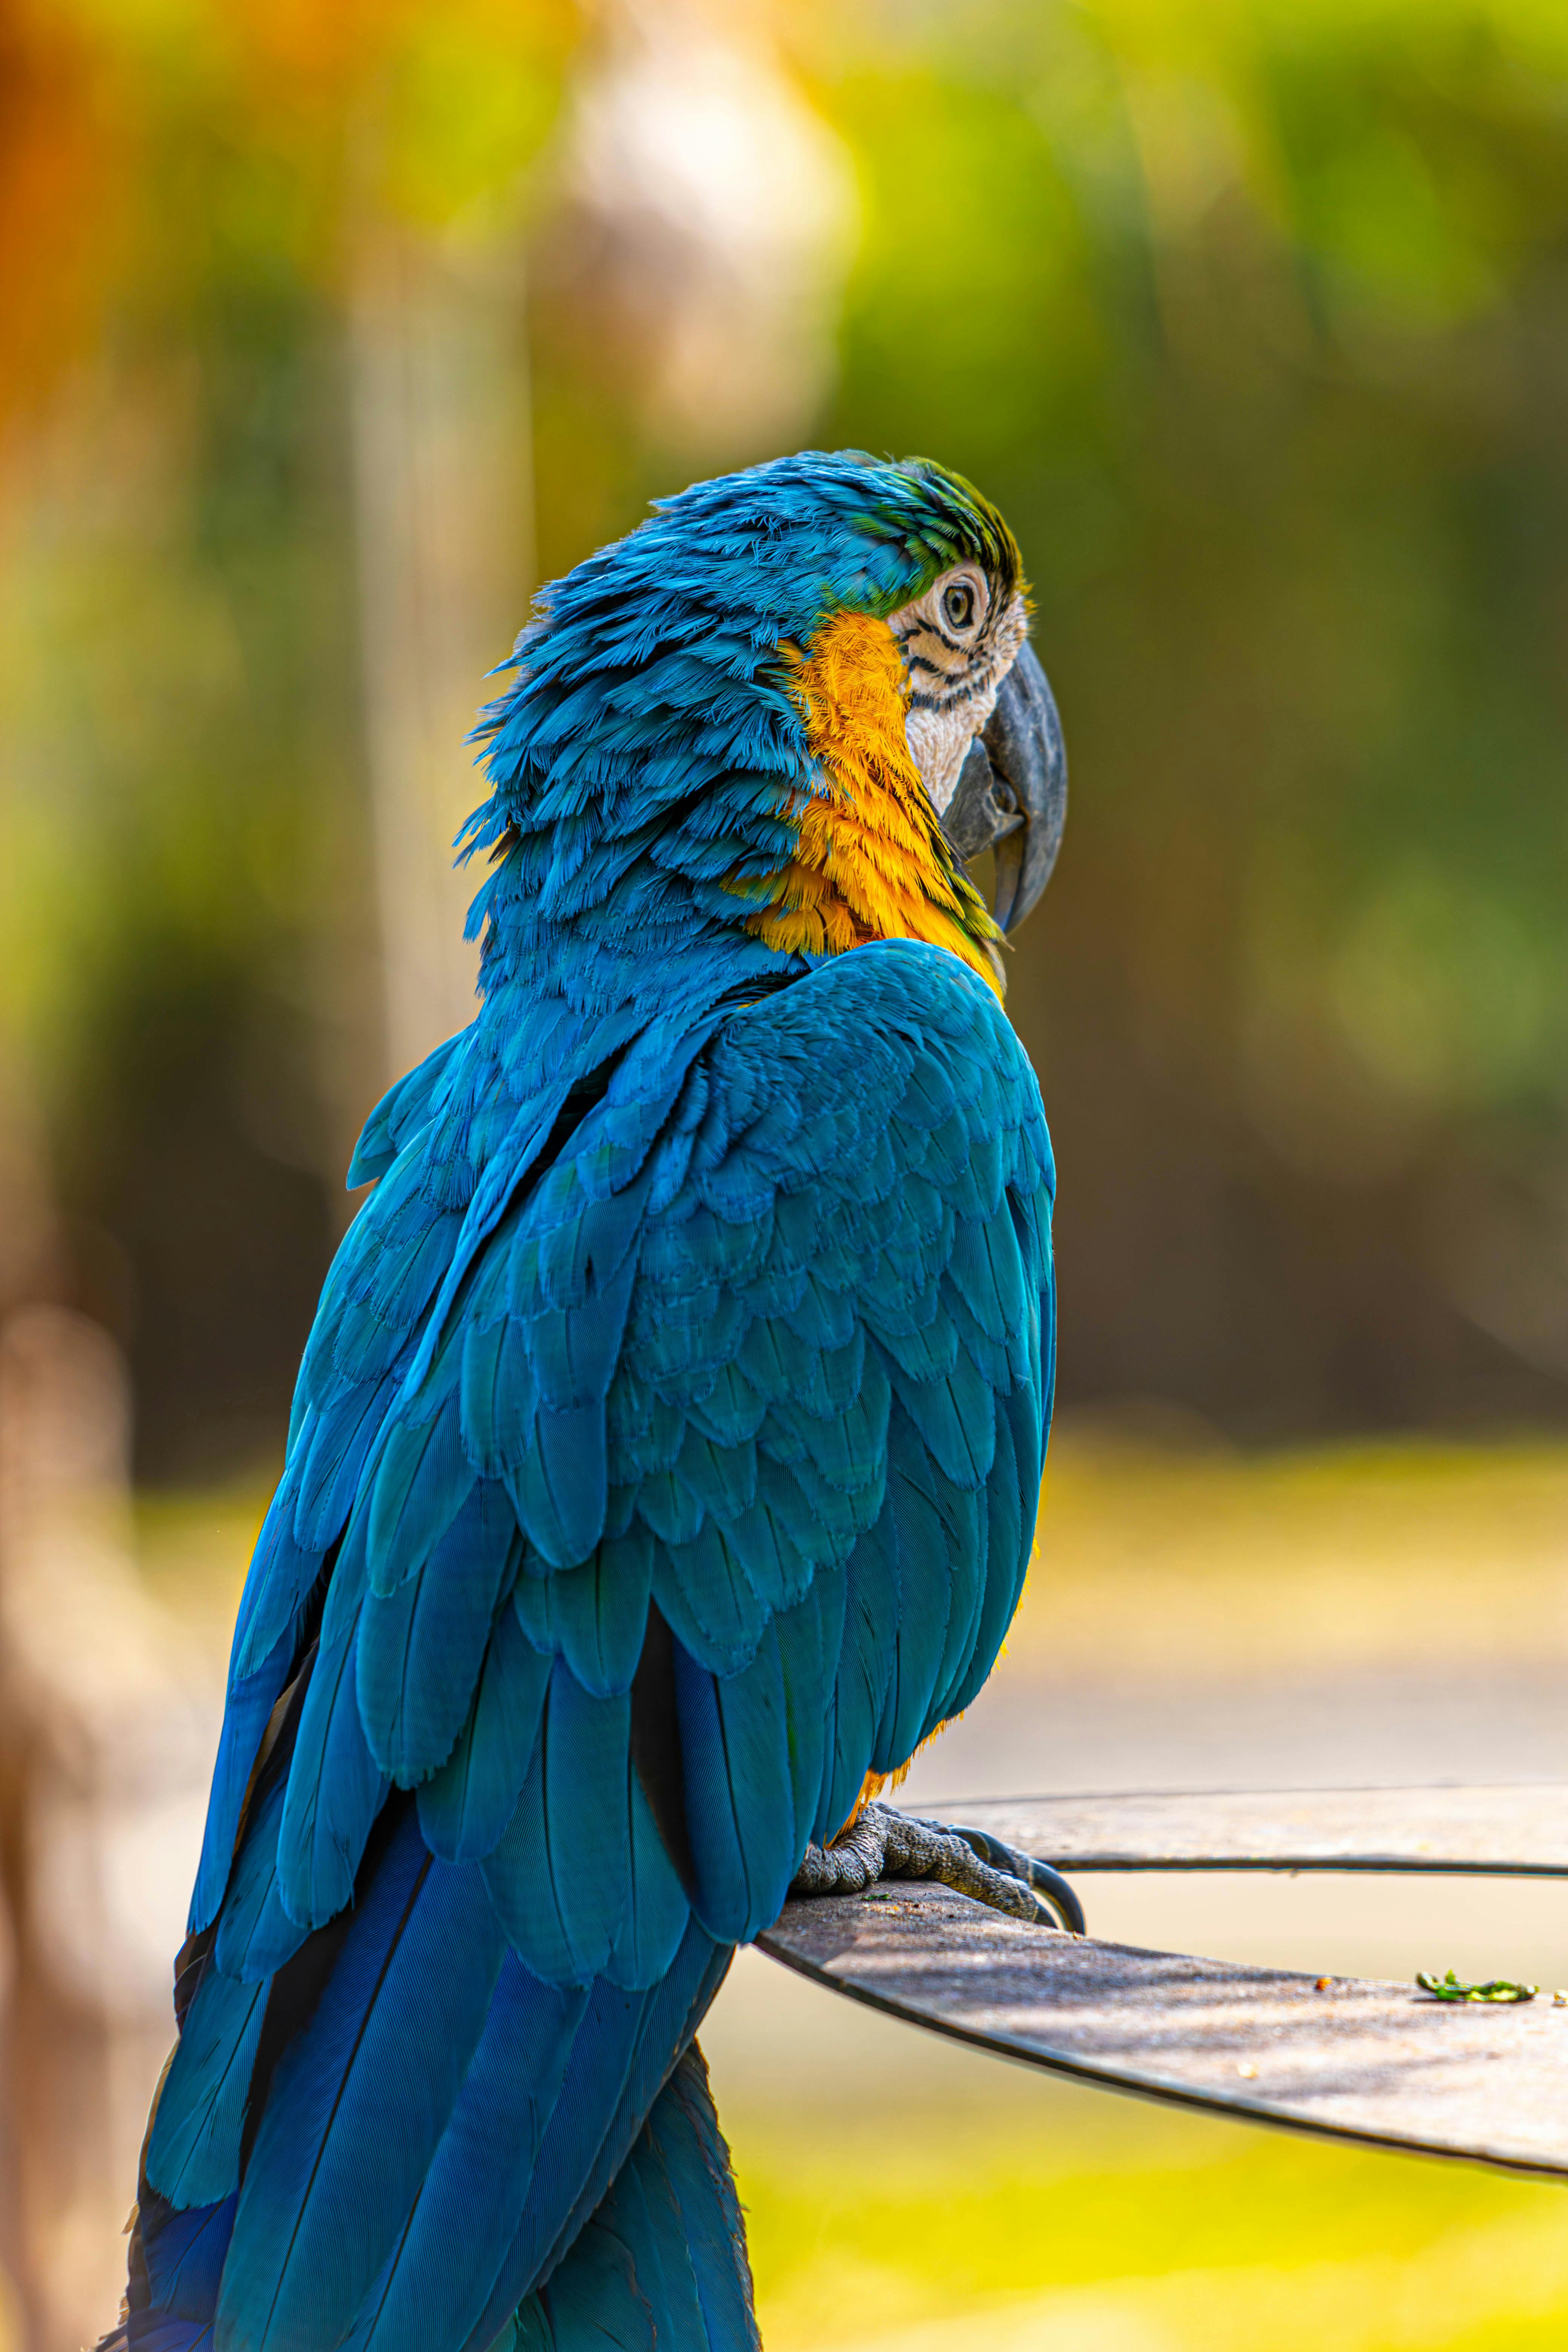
1011,791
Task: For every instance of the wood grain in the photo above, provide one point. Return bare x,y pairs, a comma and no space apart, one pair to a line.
1347,2057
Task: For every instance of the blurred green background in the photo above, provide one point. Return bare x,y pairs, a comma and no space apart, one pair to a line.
1253,317
326,333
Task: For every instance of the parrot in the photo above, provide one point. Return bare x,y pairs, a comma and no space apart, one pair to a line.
665,1455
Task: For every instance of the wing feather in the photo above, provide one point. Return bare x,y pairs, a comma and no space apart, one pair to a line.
465,1806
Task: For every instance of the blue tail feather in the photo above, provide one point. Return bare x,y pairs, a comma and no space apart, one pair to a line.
358,2102
478,2178
661,2265
158,2331
624,2053
184,2256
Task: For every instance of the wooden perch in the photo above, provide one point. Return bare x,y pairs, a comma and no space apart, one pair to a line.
1512,1832
1349,2058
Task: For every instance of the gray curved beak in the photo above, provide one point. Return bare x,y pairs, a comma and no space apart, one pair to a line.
1011,791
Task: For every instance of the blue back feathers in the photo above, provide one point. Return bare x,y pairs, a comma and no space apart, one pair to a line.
663,1459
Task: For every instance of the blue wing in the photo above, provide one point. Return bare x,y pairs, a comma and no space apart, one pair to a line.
665,1460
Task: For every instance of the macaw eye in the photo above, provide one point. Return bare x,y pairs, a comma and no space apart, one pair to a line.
958,604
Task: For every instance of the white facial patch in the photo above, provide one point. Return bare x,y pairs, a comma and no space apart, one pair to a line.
939,744
957,650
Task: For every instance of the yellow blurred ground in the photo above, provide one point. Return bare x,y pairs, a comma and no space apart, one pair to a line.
902,2192
1347,1554
906,2193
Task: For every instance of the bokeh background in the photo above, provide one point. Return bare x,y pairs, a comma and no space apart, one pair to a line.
326,334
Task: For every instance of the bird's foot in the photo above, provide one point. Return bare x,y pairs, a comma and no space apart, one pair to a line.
882,1843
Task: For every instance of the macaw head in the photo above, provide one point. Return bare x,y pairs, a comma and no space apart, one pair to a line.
982,722
803,697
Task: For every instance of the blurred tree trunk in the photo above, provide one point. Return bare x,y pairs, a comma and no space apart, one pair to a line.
443,501
106,1733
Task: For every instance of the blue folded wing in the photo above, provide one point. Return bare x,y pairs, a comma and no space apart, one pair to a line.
665,1461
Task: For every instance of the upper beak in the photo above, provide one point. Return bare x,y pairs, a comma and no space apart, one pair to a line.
1011,791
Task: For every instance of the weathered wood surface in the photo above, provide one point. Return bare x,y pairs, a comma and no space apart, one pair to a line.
1507,1831
1347,2057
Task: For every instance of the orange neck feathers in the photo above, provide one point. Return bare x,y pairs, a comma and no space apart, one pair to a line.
870,862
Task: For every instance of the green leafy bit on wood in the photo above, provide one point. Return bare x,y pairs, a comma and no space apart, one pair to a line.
1448,1988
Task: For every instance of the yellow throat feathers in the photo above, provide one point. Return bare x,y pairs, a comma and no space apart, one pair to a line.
871,861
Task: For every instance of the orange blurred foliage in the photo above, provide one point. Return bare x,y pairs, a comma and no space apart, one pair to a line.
62,164
389,105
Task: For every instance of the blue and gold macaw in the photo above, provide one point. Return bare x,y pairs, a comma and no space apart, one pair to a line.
664,1460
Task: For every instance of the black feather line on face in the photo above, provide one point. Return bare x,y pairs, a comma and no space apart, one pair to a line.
918,661
959,694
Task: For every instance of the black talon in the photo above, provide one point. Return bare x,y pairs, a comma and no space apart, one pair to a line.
1043,1877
